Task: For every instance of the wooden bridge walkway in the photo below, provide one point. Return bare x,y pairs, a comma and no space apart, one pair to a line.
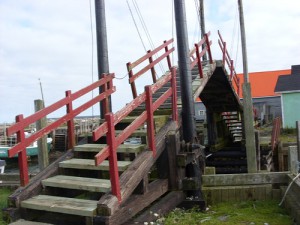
108,181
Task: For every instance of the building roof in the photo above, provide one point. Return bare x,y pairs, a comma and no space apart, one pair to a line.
263,83
289,83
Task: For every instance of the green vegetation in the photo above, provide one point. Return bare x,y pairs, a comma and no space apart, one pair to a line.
4,193
244,213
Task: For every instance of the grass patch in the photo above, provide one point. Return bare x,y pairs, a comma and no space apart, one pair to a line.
244,213
4,193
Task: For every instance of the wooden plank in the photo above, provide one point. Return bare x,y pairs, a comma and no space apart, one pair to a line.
24,222
79,183
124,148
72,206
108,204
137,203
89,164
161,208
244,179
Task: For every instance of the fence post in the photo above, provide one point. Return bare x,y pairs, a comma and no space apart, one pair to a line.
43,158
174,95
113,163
208,49
298,143
22,156
199,61
152,68
71,128
231,69
150,122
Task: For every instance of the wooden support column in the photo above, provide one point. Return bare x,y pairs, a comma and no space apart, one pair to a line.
173,149
43,157
292,160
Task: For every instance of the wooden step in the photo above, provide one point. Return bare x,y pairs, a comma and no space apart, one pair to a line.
80,207
25,222
125,148
89,164
79,183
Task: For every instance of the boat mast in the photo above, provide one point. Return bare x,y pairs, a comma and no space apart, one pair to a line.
247,100
188,114
202,24
102,49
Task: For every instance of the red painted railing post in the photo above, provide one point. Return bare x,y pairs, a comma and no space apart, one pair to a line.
70,123
199,61
231,69
174,95
153,73
113,163
150,120
104,103
208,48
22,156
132,84
168,57
224,53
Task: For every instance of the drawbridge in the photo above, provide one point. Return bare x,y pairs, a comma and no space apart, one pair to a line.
109,180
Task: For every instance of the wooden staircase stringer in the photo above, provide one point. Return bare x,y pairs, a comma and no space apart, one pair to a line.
108,204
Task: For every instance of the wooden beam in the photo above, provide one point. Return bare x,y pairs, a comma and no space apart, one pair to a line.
108,204
161,208
244,179
135,204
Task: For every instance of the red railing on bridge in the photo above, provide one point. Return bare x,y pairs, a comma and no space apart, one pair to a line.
106,83
227,60
108,127
205,44
150,66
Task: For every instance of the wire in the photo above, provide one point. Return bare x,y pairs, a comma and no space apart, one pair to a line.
137,29
121,78
138,11
288,188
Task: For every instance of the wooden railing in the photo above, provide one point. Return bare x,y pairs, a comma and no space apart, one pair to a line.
230,64
108,127
152,62
106,83
196,55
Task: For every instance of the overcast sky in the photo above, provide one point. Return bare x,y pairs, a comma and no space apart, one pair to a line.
51,41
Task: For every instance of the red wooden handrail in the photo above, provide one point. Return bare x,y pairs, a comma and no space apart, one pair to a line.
112,120
196,60
150,66
227,60
22,123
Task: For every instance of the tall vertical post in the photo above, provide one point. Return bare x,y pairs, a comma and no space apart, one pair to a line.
247,101
43,158
298,143
202,24
188,122
102,49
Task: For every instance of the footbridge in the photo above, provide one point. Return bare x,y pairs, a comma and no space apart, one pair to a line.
109,180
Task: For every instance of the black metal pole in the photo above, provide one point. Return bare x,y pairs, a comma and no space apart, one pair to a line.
102,49
188,113
202,23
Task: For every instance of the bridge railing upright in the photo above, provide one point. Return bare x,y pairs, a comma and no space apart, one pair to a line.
230,64
106,83
163,51
112,119
196,54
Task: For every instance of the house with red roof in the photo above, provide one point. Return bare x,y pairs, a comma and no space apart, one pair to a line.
266,103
